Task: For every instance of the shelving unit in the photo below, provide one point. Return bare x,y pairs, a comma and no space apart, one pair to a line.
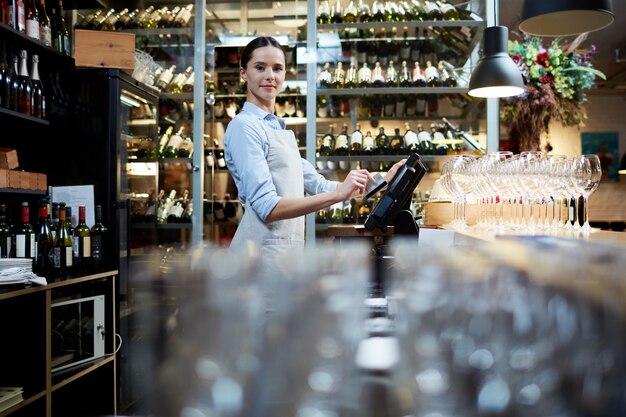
25,356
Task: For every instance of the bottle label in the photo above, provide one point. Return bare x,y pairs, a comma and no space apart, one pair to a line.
357,137
46,35
87,247
33,246
431,72
221,162
210,160
410,139
175,142
176,211
68,256
56,259
342,142
368,142
20,246
424,137
76,246
184,16
327,142
32,29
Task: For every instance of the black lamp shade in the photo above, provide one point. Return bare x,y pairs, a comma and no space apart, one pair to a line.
565,17
496,75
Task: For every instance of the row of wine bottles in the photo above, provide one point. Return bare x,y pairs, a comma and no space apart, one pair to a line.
377,106
438,141
355,211
365,77
20,90
171,145
149,18
57,247
389,11
33,18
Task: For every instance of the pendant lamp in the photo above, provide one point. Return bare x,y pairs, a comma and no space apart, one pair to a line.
565,17
496,75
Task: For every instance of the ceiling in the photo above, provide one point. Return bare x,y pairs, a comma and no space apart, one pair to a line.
273,18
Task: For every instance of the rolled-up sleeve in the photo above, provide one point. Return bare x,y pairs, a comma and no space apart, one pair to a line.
314,182
245,151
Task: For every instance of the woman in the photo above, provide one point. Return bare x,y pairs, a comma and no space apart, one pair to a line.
265,162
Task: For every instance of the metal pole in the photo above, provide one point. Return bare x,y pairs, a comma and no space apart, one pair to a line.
198,123
493,104
311,103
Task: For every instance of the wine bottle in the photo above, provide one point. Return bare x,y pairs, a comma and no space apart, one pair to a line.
356,141
447,80
219,155
183,17
97,19
389,105
98,235
125,19
176,85
25,89
188,84
433,12
364,76
439,140
339,76
418,78
61,37
382,142
230,211
62,247
400,106
411,142
39,98
20,15
392,12
405,46
188,212
396,143
45,242
218,209
350,13
87,18
23,236
378,11
378,76
405,76
342,142
364,12
425,140
32,19
5,233
45,26
165,78
432,75
336,213
186,148
391,76
54,221
409,108
325,78
418,11
69,221
167,18
164,207
163,141
111,20
448,11
6,79
300,109
420,105
336,13
328,142
406,11
151,20
369,145
173,144
178,207
351,77
324,13
81,245
349,211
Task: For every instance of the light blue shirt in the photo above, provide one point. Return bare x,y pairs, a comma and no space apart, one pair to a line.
246,149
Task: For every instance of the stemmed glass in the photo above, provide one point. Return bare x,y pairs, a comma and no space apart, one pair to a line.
458,179
587,174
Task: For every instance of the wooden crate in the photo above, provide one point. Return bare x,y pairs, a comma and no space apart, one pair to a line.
8,158
4,178
101,49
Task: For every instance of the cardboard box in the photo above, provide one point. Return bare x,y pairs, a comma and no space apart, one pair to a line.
42,182
8,158
4,178
102,49
14,179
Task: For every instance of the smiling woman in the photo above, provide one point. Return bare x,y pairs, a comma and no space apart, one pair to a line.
265,163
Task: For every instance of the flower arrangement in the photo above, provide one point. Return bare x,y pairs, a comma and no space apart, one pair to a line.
555,79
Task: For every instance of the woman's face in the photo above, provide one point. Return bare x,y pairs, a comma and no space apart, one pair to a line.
264,75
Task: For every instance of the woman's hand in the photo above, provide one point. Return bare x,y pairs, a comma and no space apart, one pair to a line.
355,183
394,170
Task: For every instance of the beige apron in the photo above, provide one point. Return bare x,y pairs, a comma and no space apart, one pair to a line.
285,167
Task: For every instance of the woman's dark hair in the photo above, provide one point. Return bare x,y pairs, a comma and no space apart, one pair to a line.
257,43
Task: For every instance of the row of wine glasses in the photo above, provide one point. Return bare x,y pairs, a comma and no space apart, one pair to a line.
529,191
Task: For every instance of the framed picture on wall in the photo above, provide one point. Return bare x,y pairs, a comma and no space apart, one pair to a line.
606,146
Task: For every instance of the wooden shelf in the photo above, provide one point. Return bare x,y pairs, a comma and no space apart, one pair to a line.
23,403
76,376
22,191
21,116
12,293
37,45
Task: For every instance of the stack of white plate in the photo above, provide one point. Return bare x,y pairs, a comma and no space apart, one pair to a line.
25,263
